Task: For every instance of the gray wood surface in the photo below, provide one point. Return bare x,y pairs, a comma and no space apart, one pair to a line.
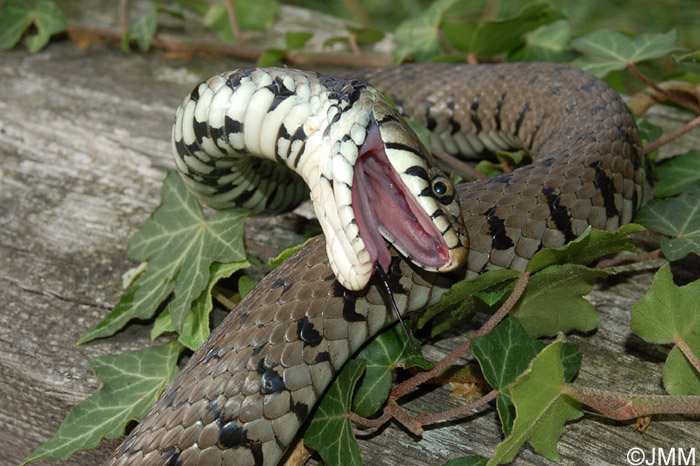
84,145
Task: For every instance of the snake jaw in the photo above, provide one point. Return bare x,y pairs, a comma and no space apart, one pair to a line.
386,207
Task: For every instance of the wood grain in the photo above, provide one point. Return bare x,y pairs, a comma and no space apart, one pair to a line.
84,145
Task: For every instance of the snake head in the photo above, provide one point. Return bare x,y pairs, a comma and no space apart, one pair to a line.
397,194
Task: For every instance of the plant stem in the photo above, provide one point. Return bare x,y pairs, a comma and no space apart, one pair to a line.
630,260
671,136
685,102
422,377
124,15
243,50
622,406
233,22
685,349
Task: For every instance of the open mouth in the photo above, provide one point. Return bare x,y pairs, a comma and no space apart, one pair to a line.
384,207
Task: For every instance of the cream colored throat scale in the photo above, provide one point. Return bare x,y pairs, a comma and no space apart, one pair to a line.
238,135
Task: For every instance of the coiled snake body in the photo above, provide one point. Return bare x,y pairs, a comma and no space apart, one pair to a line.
245,393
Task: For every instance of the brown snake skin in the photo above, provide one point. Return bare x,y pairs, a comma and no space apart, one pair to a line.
245,393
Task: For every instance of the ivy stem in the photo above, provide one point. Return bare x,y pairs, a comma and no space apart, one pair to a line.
431,419
623,406
232,21
671,136
685,349
124,15
669,95
630,260
422,377
456,163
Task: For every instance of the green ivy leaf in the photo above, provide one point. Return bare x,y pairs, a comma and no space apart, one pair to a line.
297,39
541,407
678,217
553,300
132,382
505,353
330,432
459,303
668,313
49,20
382,355
468,461
587,248
366,35
677,173
15,18
607,50
547,43
245,285
418,37
502,36
196,329
179,244
692,57
144,29
283,255
250,15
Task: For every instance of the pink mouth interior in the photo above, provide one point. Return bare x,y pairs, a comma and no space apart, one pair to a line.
382,202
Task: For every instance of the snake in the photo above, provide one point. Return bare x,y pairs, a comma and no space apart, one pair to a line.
247,391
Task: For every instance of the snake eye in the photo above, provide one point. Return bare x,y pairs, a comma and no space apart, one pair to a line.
443,189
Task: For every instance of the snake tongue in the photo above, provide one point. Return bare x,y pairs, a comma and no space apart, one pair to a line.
384,206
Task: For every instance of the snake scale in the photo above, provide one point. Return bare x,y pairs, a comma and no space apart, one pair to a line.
245,393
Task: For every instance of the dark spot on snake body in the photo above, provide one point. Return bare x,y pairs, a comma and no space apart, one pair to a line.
521,118
308,333
389,117
301,410
349,312
174,456
430,121
560,214
497,228
244,316
533,80
232,126
436,214
214,407
595,109
231,435
455,126
234,80
299,154
194,95
554,90
331,276
588,86
606,187
548,162
417,170
244,196
323,356
570,109
281,282
257,349
271,382
400,146
214,352
169,399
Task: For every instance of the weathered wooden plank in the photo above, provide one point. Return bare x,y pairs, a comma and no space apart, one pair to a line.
84,141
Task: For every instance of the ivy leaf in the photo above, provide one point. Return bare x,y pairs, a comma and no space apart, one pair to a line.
505,353
132,382
667,314
541,407
590,246
461,300
468,461
284,254
547,43
245,285
678,217
418,37
501,36
607,50
16,17
677,173
382,355
330,432
196,330
692,57
553,300
250,15
179,244
143,30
